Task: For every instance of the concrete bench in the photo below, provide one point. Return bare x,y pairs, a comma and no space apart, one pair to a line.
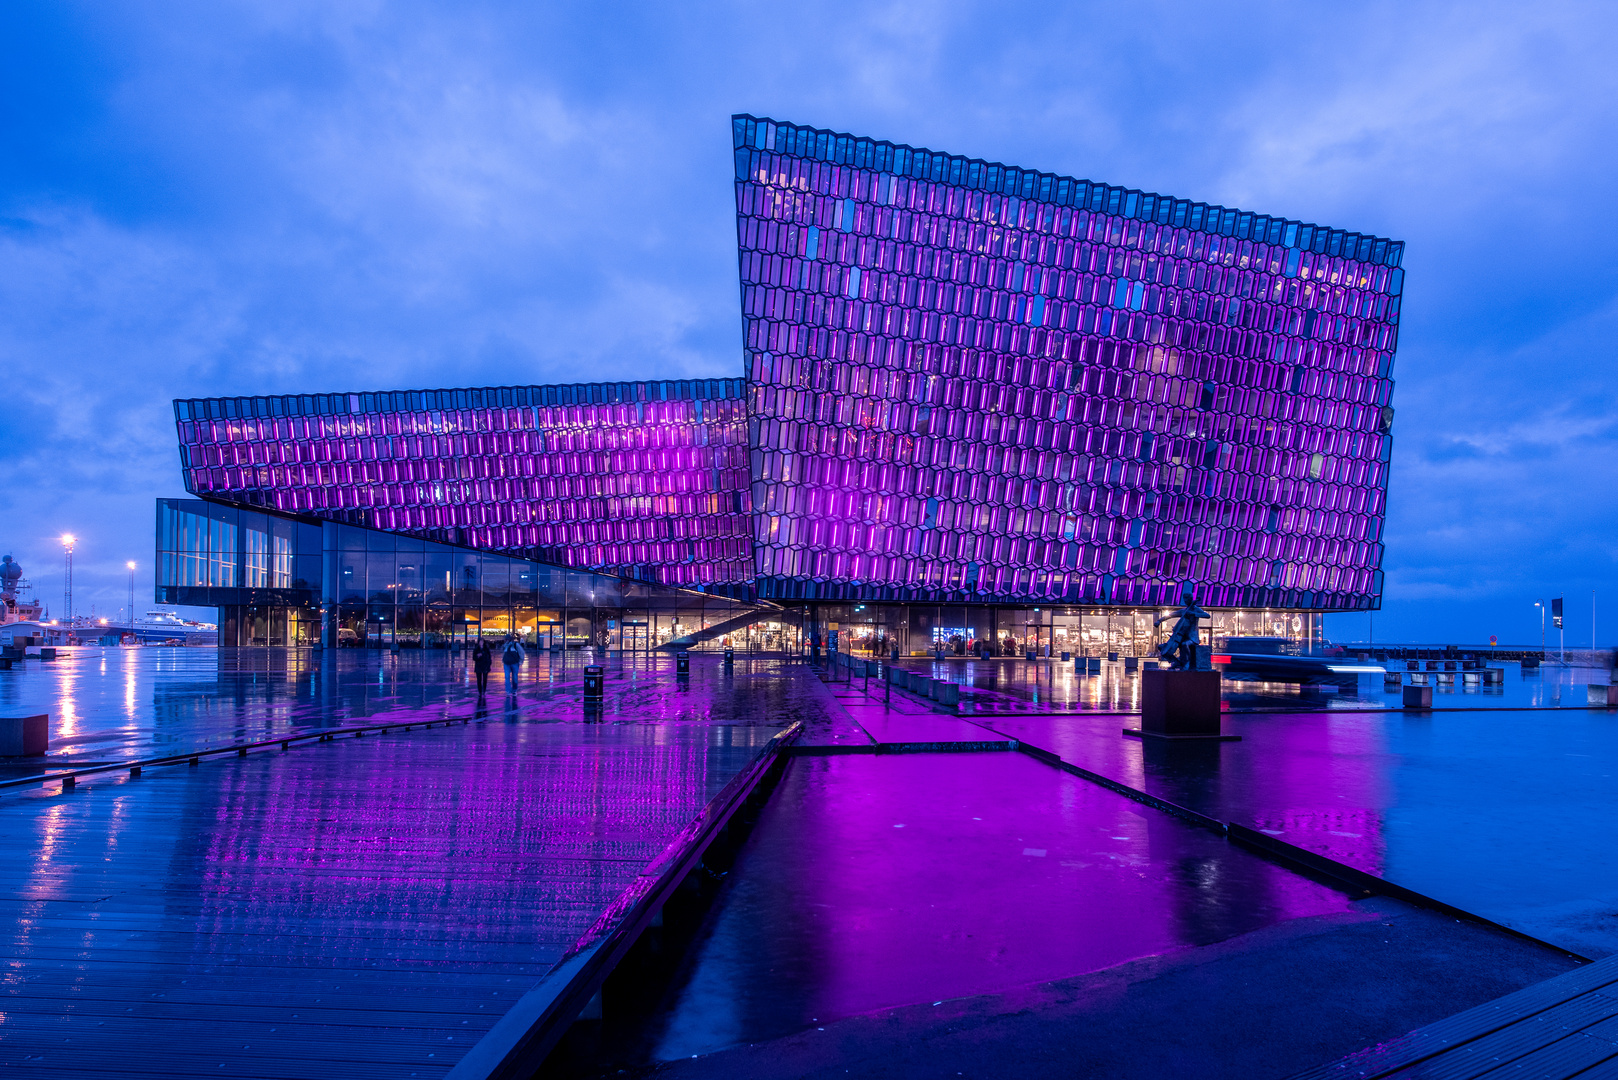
24,736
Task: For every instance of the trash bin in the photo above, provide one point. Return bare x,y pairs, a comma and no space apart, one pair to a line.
682,663
595,683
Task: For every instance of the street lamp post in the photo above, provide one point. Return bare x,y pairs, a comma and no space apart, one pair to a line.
68,540
1540,604
131,610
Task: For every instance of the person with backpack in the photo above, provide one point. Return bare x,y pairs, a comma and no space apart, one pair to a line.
511,655
482,661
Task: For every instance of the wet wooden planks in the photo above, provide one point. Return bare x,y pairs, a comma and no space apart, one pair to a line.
360,908
1555,1030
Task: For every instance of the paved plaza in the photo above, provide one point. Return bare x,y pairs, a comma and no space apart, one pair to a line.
920,887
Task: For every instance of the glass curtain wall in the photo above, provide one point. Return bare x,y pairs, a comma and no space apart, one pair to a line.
962,630
280,581
389,589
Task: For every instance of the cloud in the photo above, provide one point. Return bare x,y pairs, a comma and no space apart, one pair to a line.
293,197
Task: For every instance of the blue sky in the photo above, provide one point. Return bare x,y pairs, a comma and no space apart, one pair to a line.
248,198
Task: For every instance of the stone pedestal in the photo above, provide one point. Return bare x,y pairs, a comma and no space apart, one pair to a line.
1602,695
1418,697
24,736
1179,705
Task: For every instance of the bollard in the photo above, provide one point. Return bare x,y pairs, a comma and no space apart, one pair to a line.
1029,654
1066,656
1112,658
1493,676
595,684
682,663
1390,679
1418,697
946,693
24,736
1131,663
1412,665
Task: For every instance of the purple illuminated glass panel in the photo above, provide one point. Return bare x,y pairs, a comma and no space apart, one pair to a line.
646,480
972,381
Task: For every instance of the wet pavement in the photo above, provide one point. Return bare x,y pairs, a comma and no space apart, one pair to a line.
362,907
121,704
1502,813
404,884
877,881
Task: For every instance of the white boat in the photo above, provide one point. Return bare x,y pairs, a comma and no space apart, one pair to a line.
159,625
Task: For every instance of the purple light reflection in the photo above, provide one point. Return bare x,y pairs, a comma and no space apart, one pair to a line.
874,881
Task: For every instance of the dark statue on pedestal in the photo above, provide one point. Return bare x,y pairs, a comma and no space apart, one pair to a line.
1180,650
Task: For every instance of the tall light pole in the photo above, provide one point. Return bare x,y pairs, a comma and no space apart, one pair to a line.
68,540
131,612
1540,604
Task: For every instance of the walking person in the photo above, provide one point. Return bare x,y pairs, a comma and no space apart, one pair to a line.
511,656
482,661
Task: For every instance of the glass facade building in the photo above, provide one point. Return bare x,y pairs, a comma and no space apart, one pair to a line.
976,382
972,393
348,585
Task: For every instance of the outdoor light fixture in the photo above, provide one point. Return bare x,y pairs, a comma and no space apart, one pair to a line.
68,540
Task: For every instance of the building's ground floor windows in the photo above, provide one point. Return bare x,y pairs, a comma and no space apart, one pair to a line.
382,626
927,629
288,627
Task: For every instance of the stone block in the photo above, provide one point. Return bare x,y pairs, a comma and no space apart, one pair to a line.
1179,702
1602,695
24,736
1418,697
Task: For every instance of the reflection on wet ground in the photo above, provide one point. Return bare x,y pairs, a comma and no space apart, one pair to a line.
874,881
119,704
1004,685
1499,812
432,872
364,907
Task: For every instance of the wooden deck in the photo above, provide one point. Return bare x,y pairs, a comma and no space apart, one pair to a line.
1555,1030
366,907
